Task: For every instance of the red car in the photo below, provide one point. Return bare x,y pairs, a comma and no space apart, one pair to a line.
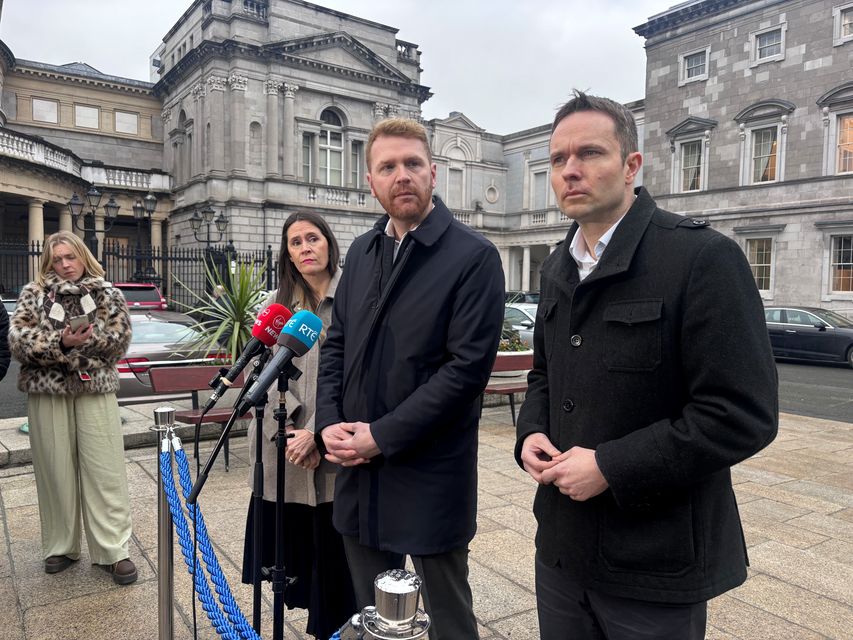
141,296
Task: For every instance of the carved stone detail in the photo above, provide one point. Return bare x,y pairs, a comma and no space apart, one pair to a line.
216,83
237,82
290,90
272,87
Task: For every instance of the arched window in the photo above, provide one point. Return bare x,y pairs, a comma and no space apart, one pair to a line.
255,145
331,162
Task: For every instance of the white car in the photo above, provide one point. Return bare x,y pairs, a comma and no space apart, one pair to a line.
521,317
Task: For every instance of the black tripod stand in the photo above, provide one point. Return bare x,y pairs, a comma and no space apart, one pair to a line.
277,574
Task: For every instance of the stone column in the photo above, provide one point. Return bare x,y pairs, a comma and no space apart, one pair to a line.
271,89
157,235
36,231
237,84
65,222
289,134
198,130
525,269
99,232
505,255
216,105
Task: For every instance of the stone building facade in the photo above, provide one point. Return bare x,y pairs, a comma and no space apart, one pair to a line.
262,108
749,123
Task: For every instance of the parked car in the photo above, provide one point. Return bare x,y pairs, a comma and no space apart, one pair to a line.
521,317
517,297
160,338
810,333
141,295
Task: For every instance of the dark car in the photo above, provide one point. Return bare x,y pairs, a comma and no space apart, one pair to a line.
160,338
531,297
809,333
141,295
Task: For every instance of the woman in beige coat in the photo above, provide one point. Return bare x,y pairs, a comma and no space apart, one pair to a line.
314,554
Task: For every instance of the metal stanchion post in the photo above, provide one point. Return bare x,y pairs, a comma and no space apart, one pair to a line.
164,419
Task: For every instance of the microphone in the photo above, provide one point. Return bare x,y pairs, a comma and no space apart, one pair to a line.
265,331
298,336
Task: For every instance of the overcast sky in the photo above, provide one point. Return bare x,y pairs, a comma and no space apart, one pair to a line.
506,64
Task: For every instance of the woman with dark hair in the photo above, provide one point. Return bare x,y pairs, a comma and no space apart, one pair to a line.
69,329
308,275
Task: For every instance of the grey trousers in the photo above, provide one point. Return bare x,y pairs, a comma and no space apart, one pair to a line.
78,462
444,587
567,611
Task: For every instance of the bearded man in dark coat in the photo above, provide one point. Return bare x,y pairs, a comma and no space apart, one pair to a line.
415,328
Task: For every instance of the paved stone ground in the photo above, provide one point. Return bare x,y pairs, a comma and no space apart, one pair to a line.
796,499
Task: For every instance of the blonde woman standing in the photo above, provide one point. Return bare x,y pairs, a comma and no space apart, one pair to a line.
69,329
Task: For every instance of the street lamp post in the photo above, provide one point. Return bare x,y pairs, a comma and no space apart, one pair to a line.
206,217
93,199
142,210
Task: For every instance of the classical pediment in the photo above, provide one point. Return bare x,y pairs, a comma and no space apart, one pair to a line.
690,126
337,50
459,120
765,110
840,96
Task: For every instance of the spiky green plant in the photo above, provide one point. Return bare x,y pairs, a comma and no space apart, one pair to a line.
226,312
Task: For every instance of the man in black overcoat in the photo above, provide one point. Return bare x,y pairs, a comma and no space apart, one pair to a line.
414,333
652,375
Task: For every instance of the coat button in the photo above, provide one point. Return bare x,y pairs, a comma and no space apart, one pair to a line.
576,340
568,405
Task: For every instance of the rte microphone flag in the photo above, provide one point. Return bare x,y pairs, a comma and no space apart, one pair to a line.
298,336
265,332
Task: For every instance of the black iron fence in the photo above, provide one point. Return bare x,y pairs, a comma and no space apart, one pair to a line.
19,262
178,272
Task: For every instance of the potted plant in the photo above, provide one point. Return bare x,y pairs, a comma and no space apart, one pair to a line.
226,312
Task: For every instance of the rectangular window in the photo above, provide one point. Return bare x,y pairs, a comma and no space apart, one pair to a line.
45,110
759,252
454,188
847,23
691,166
540,189
331,158
88,117
694,65
127,123
841,263
845,144
356,161
768,44
764,150
306,157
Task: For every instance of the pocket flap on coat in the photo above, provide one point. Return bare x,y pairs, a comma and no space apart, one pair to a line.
546,307
634,311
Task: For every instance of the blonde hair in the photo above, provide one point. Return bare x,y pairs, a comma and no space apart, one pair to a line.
91,266
398,128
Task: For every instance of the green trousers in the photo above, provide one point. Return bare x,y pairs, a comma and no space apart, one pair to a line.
78,461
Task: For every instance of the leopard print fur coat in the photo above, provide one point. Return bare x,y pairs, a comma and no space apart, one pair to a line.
34,337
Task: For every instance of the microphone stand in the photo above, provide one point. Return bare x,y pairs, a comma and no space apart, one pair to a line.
226,431
257,506
280,581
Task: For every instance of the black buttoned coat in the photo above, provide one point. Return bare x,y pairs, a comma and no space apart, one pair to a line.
410,350
660,361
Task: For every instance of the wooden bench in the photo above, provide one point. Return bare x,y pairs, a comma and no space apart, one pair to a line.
195,380
509,362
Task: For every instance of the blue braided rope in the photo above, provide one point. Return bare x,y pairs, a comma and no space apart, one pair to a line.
226,598
209,604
